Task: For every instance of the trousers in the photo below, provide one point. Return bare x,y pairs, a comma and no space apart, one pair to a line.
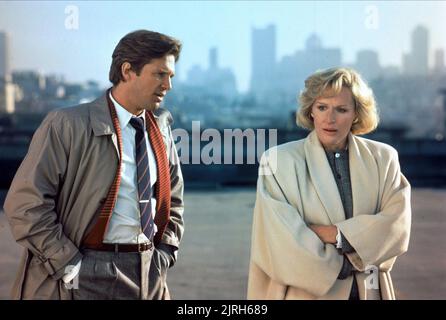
107,275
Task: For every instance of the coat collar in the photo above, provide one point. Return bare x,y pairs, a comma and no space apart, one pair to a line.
364,178
100,117
101,121
322,178
102,124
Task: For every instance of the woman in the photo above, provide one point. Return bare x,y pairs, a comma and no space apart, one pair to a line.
332,211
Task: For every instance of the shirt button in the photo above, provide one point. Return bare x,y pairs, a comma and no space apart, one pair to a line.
337,155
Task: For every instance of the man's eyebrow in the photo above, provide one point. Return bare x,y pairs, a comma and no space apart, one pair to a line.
166,71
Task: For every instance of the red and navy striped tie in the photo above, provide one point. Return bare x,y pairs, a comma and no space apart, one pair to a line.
143,178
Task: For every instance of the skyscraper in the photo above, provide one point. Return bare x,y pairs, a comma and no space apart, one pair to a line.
6,87
416,62
263,58
293,70
213,59
420,50
439,61
214,80
4,56
367,63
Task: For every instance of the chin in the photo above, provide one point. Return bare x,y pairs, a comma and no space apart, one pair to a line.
152,107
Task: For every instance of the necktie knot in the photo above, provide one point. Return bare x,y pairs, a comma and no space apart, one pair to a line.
137,123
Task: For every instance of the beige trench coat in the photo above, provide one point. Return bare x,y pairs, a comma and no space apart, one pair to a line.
59,187
296,188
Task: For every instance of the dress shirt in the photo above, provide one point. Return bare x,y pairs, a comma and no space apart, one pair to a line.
125,223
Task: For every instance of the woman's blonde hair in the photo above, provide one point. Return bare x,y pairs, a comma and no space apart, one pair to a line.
330,82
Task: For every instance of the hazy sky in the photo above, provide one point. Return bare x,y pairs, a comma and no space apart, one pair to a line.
40,40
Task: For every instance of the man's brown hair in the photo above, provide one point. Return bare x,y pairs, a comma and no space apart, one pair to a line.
139,48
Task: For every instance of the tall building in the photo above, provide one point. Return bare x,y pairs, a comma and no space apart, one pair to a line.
367,63
439,61
294,69
4,55
213,59
416,62
263,58
6,87
214,80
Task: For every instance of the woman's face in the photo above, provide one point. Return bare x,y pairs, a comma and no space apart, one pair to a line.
333,117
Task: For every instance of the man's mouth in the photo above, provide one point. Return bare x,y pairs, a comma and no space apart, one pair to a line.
159,97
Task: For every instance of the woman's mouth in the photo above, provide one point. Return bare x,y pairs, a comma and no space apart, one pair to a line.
330,131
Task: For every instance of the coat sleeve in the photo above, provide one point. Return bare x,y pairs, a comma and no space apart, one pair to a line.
384,235
175,227
30,204
283,246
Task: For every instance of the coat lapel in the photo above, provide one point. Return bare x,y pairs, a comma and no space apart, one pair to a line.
323,179
101,120
364,177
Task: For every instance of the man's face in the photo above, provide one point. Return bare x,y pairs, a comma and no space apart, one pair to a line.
149,88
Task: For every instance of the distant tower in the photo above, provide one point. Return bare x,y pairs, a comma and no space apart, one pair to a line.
439,61
367,63
213,59
263,58
4,56
6,87
443,94
313,42
417,61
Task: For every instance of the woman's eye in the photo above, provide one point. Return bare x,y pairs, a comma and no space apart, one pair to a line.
321,108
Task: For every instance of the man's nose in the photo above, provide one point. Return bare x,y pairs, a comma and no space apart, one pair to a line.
167,83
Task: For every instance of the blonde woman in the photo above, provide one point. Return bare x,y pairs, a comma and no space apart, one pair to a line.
332,211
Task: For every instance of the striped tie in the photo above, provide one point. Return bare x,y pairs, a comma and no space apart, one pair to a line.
143,174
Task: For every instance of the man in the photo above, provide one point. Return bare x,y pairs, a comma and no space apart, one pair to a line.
98,200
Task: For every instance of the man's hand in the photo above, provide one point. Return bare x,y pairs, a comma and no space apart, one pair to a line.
327,234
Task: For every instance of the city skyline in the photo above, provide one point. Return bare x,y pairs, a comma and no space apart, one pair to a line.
82,66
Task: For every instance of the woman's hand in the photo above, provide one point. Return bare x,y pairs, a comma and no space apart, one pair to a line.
327,234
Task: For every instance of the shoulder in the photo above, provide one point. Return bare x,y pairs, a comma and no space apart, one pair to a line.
290,151
69,114
73,117
378,149
163,116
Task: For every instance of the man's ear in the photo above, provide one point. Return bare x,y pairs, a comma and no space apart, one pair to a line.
126,69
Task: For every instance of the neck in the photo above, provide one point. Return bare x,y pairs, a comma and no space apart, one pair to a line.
336,148
121,96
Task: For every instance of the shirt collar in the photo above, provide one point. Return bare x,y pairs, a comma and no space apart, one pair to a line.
123,115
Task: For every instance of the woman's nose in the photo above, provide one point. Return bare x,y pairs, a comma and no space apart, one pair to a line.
331,117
